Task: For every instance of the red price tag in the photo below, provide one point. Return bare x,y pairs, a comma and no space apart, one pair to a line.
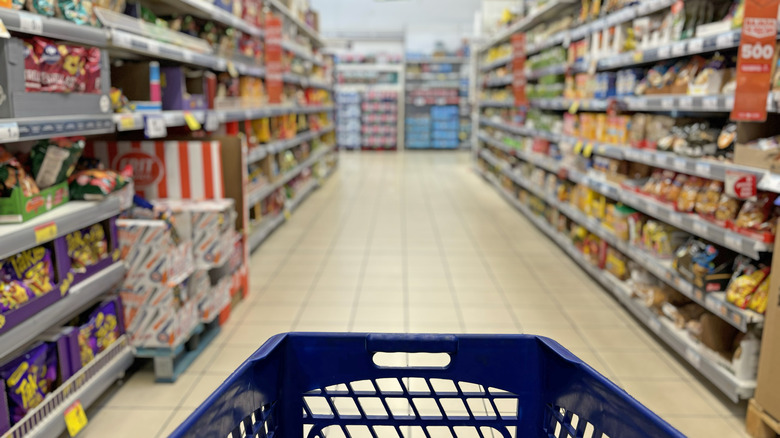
754,64
273,58
518,69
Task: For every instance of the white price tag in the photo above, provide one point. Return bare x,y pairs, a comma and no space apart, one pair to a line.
154,46
664,52
709,103
695,45
686,102
723,41
121,39
652,209
693,357
679,164
700,228
676,220
9,132
654,324
678,49
212,122
639,103
667,103
30,23
155,127
703,169
770,183
188,56
733,241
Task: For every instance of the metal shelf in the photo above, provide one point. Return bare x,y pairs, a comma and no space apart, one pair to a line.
258,235
207,10
496,63
259,152
710,169
499,82
65,219
698,356
442,60
35,128
540,15
311,33
258,195
689,222
77,300
496,103
86,386
301,52
56,28
544,71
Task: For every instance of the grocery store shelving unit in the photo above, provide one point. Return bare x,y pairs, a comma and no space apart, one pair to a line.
436,82
124,38
500,137
366,120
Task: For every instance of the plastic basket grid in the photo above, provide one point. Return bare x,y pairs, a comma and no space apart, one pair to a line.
508,386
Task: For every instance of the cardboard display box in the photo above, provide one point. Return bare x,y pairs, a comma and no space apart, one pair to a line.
768,385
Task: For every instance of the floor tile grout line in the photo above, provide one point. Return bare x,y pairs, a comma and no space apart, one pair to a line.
442,254
479,251
342,224
367,252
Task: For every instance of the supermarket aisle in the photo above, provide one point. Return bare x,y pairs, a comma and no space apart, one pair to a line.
418,242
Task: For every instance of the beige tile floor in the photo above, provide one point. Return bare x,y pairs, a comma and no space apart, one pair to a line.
417,242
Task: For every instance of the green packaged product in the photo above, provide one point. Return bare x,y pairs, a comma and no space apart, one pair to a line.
46,8
53,161
95,184
75,11
12,175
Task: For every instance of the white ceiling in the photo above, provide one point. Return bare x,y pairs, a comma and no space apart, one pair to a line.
423,20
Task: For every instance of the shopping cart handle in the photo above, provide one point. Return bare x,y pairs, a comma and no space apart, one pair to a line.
411,343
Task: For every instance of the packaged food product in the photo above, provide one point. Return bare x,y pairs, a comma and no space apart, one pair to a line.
665,185
33,267
86,247
13,294
686,202
673,192
53,161
707,201
651,185
617,264
727,208
87,343
742,287
759,298
29,378
47,8
754,214
12,175
59,65
75,11
726,140
95,184
105,323
32,68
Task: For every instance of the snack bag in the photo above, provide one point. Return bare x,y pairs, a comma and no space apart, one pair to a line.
87,247
91,70
12,175
707,201
727,208
105,325
686,202
59,65
29,378
32,68
759,298
742,288
53,161
673,192
33,267
95,184
74,11
13,294
47,8
87,343
754,214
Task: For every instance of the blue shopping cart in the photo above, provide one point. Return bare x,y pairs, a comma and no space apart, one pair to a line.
408,386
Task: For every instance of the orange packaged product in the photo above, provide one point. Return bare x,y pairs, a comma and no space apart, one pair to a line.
600,133
686,201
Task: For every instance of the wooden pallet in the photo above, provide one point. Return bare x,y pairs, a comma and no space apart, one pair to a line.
759,423
169,364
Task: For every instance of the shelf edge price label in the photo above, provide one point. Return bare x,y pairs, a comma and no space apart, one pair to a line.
45,232
75,418
9,131
723,41
664,52
30,23
578,147
191,121
695,45
588,150
212,122
154,126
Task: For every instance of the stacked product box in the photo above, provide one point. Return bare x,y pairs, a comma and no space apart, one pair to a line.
446,127
380,119
348,115
418,132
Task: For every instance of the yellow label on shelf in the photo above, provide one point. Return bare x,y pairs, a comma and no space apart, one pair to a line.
2,321
287,215
45,232
575,106
588,151
578,147
639,56
127,122
115,255
231,68
192,122
75,418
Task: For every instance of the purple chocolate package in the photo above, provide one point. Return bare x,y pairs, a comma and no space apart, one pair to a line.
29,378
13,294
87,343
34,267
87,247
104,320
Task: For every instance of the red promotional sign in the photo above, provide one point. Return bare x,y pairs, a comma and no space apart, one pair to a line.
756,55
740,185
518,68
273,58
